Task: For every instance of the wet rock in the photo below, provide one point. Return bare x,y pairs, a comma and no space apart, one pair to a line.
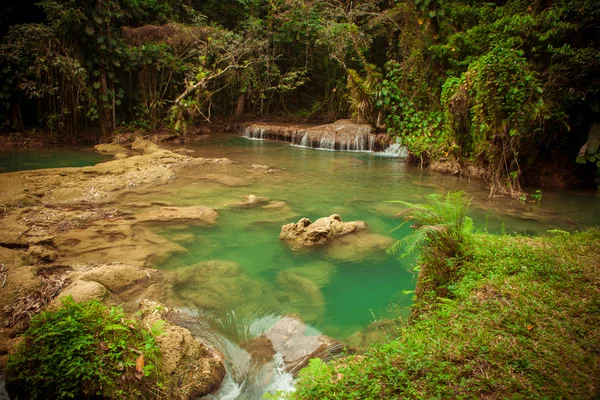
276,205
184,151
201,214
356,248
219,286
121,156
110,148
37,254
260,167
191,369
297,343
306,233
81,291
377,332
227,180
318,272
116,277
15,281
300,295
107,242
260,349
253,201
144,146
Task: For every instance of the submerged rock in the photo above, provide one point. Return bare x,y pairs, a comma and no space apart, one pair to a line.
306,233
191,368
252,201
356,248
300,295
298,343
220,286
202,214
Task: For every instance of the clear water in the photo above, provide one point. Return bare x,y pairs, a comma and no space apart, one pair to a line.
58,157
337,291
350,289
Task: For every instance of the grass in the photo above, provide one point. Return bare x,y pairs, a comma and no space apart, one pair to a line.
522,321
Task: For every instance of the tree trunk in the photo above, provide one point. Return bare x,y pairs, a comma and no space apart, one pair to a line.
241,107
105,109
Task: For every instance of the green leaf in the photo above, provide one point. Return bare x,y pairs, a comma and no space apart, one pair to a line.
96,85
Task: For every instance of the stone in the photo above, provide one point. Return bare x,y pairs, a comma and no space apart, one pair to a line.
202,214
275,205
110,148
184,151
191,369
220,286
297,343
116,277
121,156
144,146
300,295
37,254
260,167
252,201
81,291
16,282
356,248
305,233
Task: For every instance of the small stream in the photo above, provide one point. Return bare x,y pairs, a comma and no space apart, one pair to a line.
338,291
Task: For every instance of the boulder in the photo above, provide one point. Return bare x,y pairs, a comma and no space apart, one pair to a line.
37,254
144,146
191,369
202,214
219,286
81,291
252,201
110,148
121,156
298,343
300,295
305,233
357,248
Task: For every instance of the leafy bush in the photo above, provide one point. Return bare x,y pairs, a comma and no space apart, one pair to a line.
84,350
442,230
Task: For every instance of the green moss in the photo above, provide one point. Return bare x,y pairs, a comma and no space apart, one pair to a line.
522,322
84,350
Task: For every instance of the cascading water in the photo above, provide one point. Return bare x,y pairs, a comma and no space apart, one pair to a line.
247,378
395,150
360,141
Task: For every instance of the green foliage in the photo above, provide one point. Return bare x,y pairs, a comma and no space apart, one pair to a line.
84,350
523,313
442,232
441,226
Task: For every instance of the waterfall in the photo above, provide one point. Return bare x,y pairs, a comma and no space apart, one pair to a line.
246,378
395,150
304,142
331,139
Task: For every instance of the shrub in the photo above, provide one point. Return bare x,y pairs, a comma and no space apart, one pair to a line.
84,350
441,233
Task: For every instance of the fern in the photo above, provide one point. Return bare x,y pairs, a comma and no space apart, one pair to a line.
441,232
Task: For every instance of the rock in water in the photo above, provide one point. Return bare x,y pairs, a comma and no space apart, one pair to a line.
297,344
192,369
306,233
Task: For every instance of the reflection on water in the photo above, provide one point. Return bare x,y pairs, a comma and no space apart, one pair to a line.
26,159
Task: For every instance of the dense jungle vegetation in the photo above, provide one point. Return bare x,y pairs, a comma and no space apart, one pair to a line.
508,87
